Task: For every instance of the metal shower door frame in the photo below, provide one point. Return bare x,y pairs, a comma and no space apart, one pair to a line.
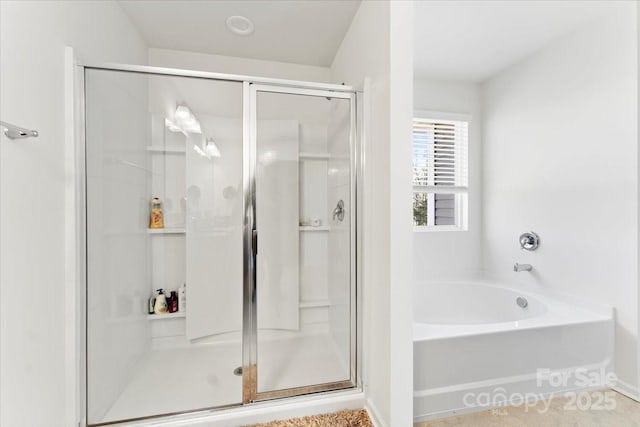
249,332
250,235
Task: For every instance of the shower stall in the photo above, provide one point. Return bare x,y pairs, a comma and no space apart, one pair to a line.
256,252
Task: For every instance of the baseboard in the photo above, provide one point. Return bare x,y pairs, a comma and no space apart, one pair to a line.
628,390
374,414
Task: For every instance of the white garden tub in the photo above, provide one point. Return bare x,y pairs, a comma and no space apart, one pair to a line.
475,347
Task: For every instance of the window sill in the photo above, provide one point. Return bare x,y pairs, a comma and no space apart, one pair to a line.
438,229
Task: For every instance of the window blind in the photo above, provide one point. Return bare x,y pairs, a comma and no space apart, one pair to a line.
440,154
440,171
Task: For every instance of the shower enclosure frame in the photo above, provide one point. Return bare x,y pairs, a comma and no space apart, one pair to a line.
250,336
251,84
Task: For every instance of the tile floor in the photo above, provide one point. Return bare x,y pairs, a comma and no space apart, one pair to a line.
600,408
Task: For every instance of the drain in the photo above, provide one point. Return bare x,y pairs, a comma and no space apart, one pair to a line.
238,371
522,302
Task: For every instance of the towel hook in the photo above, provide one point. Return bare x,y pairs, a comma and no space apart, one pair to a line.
16,132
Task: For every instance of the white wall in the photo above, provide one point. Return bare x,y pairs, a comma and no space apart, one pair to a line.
457,252
378,48
638,162
32,193
560,158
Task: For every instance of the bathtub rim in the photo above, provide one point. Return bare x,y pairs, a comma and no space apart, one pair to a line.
558,312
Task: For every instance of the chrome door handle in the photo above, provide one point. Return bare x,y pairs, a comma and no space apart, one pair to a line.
254,242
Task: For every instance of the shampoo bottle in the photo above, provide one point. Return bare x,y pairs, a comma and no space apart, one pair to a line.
182,298
152,304
173,302
160,306
156,219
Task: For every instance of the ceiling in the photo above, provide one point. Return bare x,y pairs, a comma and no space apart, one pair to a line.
473,40
303,31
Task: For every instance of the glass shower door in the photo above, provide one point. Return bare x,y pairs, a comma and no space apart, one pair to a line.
303,242
178,139
256,189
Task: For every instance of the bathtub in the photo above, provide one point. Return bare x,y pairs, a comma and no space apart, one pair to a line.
480,345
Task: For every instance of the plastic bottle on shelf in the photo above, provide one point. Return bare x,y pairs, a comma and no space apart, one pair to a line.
152,304
182,298
160,306
156,219
173,302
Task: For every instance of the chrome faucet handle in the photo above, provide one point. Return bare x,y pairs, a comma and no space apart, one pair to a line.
529,241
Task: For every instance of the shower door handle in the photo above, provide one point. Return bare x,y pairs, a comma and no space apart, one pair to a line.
254,242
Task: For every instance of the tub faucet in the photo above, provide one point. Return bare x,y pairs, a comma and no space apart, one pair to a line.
522,267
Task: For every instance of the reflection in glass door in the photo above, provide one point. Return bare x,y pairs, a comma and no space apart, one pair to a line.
304,315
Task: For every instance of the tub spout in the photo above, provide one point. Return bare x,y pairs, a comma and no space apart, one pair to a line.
522,267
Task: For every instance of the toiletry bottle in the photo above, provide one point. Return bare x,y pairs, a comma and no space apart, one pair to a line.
156,220
173,302
169,302
152,304
182,298
160,306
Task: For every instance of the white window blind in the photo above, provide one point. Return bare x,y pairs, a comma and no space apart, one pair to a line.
440,154
440,173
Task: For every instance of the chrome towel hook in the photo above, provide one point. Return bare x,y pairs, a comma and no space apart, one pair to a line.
16,132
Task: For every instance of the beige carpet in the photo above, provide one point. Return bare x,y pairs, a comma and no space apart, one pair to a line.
347,418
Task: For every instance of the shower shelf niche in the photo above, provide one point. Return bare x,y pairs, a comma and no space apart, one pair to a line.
172,230
176,315
162,150
311,228
315,303
307,155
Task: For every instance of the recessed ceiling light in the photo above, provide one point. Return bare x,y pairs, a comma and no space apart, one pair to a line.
240,25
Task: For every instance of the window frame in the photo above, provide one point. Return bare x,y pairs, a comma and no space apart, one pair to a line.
461,204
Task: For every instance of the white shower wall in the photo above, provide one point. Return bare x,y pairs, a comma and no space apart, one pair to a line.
313,119
118,268
561,158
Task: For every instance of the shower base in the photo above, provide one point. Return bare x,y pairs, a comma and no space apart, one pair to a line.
202,376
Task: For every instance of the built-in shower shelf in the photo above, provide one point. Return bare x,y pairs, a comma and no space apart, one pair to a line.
307,155
166,230
311,228
167,316
314,303
162,150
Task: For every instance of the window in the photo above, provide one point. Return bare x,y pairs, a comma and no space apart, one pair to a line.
440,171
